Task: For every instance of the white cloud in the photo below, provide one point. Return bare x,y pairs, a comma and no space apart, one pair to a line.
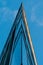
6,14
38,20
41,24
3,2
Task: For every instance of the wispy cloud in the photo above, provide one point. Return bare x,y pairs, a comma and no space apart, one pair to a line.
3,2
6,14
40,23
34,18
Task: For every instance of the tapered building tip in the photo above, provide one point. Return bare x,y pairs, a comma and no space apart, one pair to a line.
21,4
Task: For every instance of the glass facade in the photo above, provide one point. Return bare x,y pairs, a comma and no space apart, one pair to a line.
18,49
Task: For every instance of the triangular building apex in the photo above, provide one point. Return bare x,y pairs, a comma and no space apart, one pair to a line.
11,37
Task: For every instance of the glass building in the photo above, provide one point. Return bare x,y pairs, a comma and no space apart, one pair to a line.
18,49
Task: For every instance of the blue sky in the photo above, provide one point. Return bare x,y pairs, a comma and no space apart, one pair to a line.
34,15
